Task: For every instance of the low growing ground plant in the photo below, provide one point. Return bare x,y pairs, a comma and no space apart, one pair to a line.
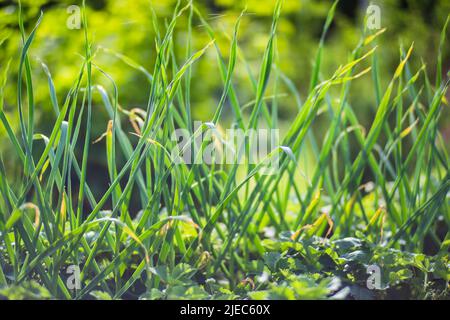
369,220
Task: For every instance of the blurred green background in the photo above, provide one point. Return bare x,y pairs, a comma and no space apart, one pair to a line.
126,27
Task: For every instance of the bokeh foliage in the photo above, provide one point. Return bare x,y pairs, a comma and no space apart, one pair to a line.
126,27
